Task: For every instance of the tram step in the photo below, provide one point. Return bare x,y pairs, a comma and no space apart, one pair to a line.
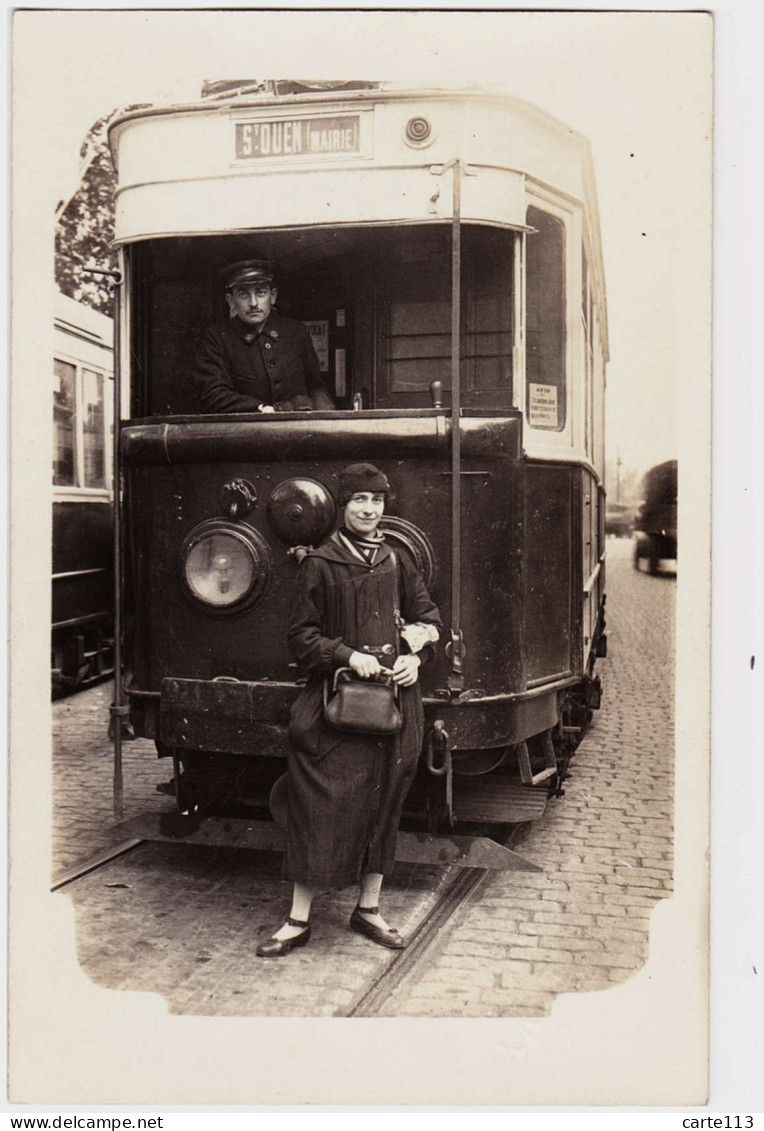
529,775
500,799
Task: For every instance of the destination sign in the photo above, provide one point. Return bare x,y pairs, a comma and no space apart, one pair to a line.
298,137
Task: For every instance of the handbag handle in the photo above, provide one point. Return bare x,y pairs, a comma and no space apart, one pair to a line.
336,676
373,679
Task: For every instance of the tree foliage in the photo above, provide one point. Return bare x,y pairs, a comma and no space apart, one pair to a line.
85,228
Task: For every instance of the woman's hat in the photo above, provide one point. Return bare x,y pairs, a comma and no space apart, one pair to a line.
362,477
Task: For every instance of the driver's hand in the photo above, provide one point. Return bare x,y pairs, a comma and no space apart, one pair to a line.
266,408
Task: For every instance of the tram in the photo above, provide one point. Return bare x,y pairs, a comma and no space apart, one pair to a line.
443,248
82,630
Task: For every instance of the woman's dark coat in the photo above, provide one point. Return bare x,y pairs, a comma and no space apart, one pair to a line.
346,791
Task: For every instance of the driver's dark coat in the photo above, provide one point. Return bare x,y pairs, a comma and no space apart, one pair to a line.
346,791
237,369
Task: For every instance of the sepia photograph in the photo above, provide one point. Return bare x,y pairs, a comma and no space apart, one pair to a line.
371,760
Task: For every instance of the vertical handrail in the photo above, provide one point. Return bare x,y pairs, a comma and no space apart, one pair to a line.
456,677
455,647
118,708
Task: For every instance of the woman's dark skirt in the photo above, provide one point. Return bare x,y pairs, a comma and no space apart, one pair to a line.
346,793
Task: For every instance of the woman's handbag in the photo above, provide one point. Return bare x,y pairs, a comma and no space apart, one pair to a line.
363,706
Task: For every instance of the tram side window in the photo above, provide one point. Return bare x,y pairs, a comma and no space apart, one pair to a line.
588,336
93,450
545,322
64,420
79,427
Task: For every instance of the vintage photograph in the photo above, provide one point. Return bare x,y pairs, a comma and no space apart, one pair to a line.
370,456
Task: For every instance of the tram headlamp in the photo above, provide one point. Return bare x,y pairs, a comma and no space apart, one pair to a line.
219,570
223,567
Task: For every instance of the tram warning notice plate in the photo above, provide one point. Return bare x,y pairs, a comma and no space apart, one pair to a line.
298,137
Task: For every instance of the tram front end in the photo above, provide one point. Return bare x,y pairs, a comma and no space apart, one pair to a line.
436,252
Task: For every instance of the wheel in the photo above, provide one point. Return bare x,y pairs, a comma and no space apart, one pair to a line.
654,557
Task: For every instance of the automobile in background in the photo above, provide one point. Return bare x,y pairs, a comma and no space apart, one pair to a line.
656,520
619,520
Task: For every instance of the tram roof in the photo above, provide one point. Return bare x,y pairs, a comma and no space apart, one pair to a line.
83,321
179,174
245,98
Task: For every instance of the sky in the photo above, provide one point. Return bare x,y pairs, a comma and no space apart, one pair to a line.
636,84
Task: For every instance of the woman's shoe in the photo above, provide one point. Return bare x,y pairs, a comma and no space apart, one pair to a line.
276,948
390,938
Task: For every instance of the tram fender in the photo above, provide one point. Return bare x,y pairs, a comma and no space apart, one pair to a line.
464,851
239,832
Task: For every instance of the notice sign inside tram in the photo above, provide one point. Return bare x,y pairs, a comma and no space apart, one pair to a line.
319,335
298,137
542,405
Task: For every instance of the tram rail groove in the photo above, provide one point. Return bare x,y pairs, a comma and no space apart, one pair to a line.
93,863
406,964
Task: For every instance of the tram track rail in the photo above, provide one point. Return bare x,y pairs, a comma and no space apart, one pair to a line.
405,967
429,936
99,860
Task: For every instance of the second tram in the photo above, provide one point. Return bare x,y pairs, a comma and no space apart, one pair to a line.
82,640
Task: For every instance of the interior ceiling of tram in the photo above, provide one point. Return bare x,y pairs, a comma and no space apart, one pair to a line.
296,250
293,250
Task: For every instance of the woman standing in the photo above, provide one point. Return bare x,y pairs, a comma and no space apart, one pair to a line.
356,601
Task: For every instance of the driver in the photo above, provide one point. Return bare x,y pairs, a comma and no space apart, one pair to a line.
259,360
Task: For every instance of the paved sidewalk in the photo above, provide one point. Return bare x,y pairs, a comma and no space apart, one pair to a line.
606,847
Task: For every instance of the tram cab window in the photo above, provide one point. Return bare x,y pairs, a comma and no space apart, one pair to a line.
545,322
376,300
414,314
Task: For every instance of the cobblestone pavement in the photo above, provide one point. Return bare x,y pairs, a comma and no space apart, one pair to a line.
183,921
83,770
605,849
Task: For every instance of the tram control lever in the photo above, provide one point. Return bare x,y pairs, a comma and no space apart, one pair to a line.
436,392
